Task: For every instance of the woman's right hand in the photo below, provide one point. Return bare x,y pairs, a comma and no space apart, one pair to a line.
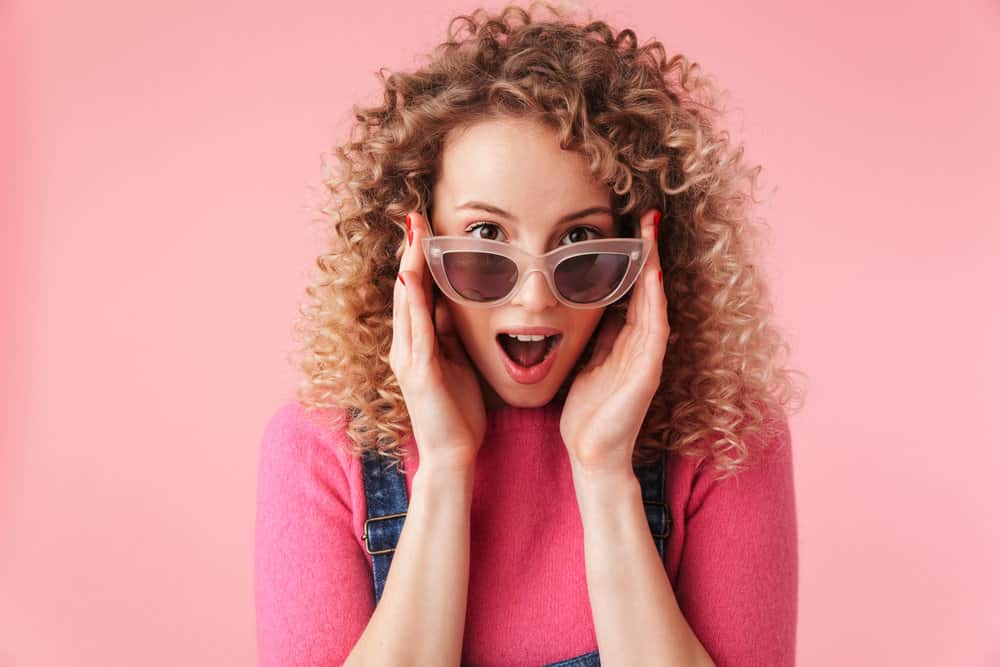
438,381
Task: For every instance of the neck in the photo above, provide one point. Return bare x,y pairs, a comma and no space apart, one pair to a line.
492,401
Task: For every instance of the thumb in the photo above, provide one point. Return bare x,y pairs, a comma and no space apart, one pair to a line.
450,343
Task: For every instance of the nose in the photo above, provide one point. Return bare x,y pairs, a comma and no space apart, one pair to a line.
535,293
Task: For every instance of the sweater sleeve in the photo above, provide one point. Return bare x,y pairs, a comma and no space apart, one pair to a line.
738,577
312,585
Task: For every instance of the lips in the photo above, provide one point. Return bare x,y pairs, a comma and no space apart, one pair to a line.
529,330
530,375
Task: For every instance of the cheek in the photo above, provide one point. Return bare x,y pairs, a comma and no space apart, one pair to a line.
591,324
588,329
472,329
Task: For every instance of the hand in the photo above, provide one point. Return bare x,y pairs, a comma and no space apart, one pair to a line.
607,402
436,377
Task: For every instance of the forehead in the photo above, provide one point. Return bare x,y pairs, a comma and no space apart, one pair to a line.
518,166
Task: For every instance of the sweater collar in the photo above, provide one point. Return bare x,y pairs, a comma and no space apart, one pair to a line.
513,418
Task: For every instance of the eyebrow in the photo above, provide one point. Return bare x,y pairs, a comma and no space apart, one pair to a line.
495,210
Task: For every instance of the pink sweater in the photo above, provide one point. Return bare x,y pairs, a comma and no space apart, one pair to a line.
731,557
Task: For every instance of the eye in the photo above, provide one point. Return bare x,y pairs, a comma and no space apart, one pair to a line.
489,227
576,234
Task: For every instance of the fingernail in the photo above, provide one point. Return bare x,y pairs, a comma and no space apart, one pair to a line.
400,276
656,225
659,275
409,232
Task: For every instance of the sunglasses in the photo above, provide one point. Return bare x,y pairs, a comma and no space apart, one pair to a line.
483,273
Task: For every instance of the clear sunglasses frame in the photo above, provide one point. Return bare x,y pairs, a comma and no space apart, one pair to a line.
436,247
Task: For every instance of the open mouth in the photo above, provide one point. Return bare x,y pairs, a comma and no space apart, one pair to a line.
527,353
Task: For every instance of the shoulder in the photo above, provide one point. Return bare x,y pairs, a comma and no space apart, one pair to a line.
737,581
295,425
298,441
765,479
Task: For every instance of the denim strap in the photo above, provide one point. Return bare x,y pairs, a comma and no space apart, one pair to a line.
652,481
385,496
387,502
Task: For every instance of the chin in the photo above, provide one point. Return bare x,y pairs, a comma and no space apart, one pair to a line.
531,396
536,401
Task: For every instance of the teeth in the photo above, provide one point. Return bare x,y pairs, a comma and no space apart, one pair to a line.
529,337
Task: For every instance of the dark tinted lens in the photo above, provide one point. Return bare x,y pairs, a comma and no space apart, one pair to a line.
592,277
480,276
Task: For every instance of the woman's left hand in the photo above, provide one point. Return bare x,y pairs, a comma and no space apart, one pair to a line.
608,400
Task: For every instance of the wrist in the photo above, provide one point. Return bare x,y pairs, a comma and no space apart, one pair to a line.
599,478
606,492
443,482
447,464
610,465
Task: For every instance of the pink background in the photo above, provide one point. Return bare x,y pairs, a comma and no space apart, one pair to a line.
156,242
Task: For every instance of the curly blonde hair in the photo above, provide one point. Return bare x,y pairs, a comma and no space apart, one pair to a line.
644,123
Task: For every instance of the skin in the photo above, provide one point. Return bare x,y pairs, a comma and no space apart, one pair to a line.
517,166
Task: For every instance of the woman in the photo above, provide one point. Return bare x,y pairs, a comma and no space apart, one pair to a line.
540,292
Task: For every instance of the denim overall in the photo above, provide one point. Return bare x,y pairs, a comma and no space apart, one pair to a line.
385,493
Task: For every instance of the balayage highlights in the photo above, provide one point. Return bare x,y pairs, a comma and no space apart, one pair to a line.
645,124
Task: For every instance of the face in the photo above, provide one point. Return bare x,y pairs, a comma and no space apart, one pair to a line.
520,184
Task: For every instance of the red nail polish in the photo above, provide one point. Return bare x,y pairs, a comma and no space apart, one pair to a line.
400,276
409,232
656,225
660,275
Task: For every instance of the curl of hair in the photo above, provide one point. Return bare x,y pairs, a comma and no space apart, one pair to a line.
645,122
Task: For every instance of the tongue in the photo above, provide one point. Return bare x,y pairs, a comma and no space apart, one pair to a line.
526,353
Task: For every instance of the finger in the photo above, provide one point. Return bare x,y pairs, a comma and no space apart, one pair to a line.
653,323
423,323
400,348
638,297
424,341
417,330
420,227
658,305
656,299
402,309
